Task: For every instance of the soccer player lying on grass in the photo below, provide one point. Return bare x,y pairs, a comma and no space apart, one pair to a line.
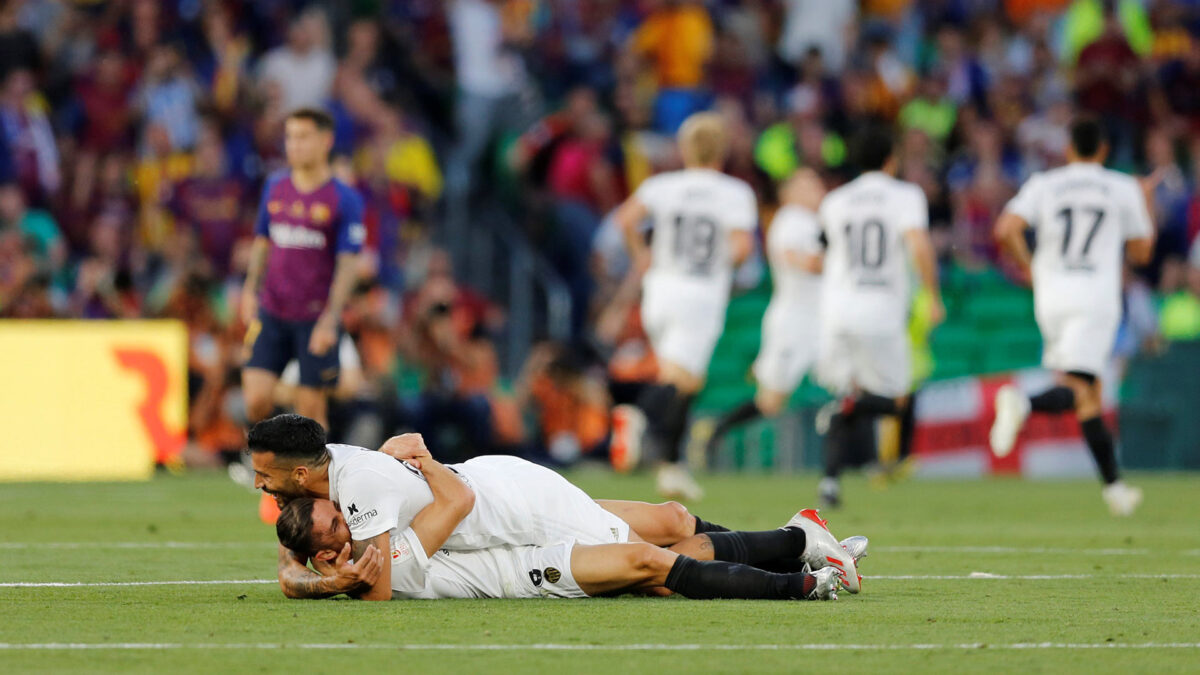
315,528
516,503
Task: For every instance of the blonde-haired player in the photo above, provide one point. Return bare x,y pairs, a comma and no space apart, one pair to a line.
790,324
702,223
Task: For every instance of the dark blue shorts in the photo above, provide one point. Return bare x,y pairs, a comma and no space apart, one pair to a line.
274,342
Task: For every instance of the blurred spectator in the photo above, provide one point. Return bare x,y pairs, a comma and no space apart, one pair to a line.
44,240
1179,315
676,38
303,67
18,48
571,403
211,205
828,25
29,136
169,97
1107,77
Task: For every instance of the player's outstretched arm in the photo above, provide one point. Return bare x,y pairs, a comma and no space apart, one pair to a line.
298,582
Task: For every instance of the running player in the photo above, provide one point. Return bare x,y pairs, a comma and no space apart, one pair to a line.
789,328
301,273
873,225
702,224
1087,219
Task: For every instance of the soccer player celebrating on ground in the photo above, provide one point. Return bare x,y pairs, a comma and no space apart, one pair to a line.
301,273
864,351
789,328
1087,219
703,223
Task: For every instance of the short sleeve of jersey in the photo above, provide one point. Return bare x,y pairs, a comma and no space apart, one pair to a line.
351,233
915,214
645,192
1026,203
410,565
1135,216
262,221
794,231
372,503
743,209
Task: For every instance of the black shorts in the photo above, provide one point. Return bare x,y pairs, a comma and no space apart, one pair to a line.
274,342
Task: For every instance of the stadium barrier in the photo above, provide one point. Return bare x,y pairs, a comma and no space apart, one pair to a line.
91,400
1156,418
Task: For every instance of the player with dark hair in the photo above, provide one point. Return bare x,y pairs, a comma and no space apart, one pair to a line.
873,225
302,271
1088,221
383,503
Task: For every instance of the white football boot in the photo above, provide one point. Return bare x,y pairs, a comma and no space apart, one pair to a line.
822,549
676,482
856,546
828,580
1122,499
1012,409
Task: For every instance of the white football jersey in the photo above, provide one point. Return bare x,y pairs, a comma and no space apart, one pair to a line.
866,274
693,213
517,503
1083,214
798,292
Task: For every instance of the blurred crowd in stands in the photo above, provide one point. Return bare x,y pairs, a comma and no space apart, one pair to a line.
135,136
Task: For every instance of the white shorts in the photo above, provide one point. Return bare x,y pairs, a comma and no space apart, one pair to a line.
788,351
876,363
544,572
683,323
1077,341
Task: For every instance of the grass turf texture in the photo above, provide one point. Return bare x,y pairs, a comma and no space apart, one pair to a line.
88,533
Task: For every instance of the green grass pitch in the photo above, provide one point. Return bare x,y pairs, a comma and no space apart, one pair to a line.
1075,591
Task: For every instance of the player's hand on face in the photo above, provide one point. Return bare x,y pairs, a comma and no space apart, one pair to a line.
324,336
407,447
362,572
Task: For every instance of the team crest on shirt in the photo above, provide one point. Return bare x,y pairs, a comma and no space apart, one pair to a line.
402,552
536,577
320,214
297,209
274,207
552,575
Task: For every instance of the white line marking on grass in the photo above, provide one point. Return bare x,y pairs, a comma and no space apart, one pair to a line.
973,576
186,545
68,646
86,584
1011,549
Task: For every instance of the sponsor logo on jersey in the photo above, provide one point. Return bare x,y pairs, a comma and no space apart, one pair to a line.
553,575
355,521
353,509
615,533
536,577
295,236
320,214
297,209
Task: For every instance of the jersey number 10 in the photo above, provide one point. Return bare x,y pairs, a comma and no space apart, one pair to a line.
866,246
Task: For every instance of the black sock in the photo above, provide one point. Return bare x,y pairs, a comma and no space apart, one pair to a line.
781,565
908,426
754,547
655,401
835,441
675,425
707,580
739,415
1100,442
872,404
704,527
1058,399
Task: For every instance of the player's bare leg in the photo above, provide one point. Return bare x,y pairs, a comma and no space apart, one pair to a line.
313,403
258,388
617,567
